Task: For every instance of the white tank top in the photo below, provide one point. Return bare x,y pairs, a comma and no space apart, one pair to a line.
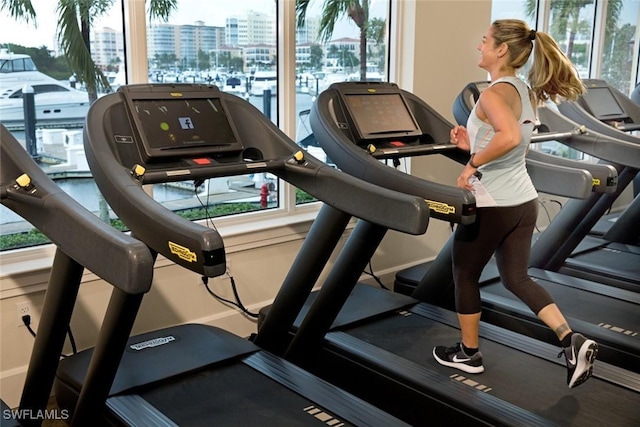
506,178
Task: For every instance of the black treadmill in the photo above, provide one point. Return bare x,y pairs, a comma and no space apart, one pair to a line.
196,374
82,241
378,344
607,314
600,249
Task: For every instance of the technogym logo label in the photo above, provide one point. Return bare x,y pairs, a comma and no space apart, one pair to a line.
152,343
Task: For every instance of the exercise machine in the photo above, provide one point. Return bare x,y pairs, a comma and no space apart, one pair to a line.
378,344
83,241
197,374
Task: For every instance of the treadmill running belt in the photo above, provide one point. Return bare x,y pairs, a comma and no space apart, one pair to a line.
590,307
609,262
527,381
234,395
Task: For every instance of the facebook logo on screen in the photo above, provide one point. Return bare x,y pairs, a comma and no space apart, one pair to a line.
185,122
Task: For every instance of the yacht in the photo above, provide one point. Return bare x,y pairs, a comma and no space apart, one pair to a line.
263,80
57,104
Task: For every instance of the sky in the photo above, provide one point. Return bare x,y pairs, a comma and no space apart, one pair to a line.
193,10
189,11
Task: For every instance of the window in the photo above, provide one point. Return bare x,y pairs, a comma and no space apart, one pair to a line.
324,57
620,45
234,48
31,55
600,38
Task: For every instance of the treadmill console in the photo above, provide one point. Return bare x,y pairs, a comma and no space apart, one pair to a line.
378,114
360,123
610,106
602,104
159,133
175,124
379,118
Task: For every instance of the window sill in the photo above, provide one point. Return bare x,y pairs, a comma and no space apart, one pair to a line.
24,271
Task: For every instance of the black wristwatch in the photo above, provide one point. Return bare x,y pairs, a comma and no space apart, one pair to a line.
473,165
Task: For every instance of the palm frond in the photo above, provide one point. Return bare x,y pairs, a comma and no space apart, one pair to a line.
161,9
20,10
73,45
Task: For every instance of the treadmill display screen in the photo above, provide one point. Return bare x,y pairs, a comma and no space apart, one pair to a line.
181,127
381,115
603,104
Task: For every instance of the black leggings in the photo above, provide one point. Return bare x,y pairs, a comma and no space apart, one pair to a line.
505,231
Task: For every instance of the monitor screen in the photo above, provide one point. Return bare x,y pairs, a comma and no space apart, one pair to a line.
603,104
184,127
381,115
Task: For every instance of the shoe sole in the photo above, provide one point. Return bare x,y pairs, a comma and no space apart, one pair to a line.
461,366
586,358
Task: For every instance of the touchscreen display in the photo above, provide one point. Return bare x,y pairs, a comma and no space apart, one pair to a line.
379,115
603,104
183,124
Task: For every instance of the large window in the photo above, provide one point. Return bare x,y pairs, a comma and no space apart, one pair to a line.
600,38
32,54
231,44
242,47
328,51
619,46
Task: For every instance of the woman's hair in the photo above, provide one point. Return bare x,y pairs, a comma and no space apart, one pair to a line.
552,74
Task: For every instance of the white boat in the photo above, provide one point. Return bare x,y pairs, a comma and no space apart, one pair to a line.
56,103
264,80
234,84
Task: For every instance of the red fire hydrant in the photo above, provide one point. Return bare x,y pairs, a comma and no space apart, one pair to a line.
264,195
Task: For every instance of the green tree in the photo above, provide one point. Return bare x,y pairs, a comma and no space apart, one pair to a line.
75,19
204,60
56,67
332,11
315,57
566,18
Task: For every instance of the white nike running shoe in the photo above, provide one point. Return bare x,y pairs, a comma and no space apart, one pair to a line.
455,357
580,356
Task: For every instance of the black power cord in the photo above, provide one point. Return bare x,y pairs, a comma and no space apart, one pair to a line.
376,278
205,280
26,319
237,303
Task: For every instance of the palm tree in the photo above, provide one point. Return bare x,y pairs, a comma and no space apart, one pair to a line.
566,14
332,11
75,19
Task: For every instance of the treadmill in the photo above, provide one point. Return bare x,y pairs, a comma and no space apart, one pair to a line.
197,374
611,112
607,314
377,344
614,256
83,241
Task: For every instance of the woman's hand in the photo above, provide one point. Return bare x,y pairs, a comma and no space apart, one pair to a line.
463,179
459,136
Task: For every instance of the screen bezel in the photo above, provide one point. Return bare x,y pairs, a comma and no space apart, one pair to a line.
590,103
368,89
152,153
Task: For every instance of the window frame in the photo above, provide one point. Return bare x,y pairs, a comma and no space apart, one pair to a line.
273,226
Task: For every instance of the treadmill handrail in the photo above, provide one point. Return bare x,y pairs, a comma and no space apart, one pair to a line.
199,248
600,140
605,176
446,202
566,181
112,255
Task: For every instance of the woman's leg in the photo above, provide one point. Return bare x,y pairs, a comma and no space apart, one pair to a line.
473,246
